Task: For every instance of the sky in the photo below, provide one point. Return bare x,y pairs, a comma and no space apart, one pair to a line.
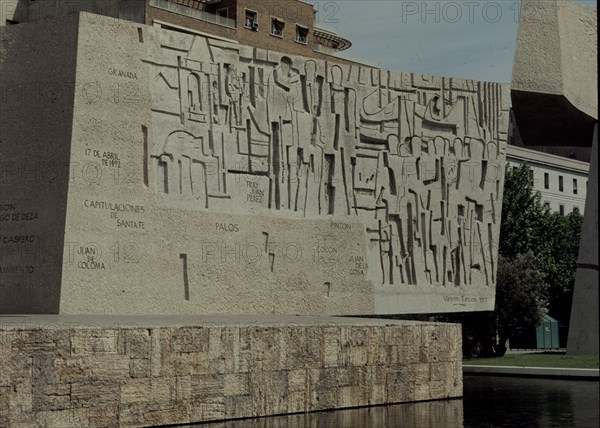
471,39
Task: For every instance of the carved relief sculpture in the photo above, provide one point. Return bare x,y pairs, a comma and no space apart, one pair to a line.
417,159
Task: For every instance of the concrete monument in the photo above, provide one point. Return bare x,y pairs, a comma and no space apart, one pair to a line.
555,101
186,175
555,74
148,171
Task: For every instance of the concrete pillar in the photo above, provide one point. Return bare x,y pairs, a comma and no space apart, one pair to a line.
583,329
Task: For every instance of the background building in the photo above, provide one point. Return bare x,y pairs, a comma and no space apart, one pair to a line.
284,25
560,173
562,182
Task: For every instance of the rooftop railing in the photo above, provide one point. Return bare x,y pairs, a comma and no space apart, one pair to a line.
339,43
201,15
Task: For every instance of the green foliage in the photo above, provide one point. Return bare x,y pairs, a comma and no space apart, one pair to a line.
562,247
521,294
522,214
538,249
552,238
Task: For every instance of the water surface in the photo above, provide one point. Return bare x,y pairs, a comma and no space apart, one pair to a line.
488,401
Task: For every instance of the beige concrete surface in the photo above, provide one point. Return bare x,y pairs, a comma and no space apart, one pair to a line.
208,177
555,73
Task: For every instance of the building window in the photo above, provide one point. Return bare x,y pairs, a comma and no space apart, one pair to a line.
546,180
531,177
561,184
251,20
546,206
574,186
223,12
561,209
301,34
277,26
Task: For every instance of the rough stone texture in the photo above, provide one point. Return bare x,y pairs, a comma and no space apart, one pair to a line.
136,371
555,73
583,328
210,177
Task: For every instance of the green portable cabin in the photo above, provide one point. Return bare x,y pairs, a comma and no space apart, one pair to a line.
544,336
547,334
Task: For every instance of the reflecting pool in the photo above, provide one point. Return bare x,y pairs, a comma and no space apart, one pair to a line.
526,402
489,401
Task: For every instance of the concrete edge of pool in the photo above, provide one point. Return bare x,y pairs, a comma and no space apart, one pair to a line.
547,372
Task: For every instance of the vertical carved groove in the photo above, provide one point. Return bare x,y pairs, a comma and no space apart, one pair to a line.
180,177
186,283
276,163
145,159
330,160
163,176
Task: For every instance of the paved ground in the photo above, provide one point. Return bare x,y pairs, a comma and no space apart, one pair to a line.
546,372
536,351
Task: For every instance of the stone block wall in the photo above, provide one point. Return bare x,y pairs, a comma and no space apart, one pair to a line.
128,372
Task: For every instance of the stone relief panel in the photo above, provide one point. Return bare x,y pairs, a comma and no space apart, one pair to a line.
418,160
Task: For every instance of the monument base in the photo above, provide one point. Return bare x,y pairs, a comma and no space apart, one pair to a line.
143,371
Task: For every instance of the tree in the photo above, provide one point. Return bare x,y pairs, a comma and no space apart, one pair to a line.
548,241
521,296
528,226
562,240
522,214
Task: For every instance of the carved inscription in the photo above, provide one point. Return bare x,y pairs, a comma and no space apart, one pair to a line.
91,258
9,212
16,249
109,159
227,227
122,73
255,193
326,253
118,211
359,265
465,300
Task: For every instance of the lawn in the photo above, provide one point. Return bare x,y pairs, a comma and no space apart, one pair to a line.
540,359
